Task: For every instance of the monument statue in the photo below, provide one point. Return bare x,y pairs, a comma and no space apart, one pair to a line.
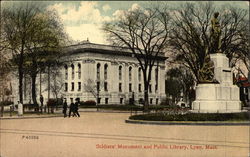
215,91
206,72
215,34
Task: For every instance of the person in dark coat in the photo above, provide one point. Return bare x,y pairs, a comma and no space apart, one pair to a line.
41,101
65,106
71,107
76,107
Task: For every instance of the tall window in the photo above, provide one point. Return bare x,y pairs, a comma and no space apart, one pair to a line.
106,100
98,100
156,87
156,75
98,71
121,100
79,71
151,101
156,79
106,71
79,86
98,86
139,88
150,88
106,86
156,101
130,73
139,74
120,72
120,87
66,87
73,71
130,87
66,72
72,86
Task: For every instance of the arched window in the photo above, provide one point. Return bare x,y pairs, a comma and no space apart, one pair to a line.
130,73
106,71
66,72
98,71
139,74
79,71
120,72
73,71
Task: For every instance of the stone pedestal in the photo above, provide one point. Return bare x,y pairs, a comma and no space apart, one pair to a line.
20,109
222,97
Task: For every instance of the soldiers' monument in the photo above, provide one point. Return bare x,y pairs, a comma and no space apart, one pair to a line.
215,91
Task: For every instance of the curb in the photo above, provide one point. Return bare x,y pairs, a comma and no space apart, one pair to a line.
9,118
187,123
107,111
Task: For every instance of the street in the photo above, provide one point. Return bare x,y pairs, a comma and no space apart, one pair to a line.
97,134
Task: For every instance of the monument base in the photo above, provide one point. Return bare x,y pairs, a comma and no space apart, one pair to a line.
222,97
216,98
216,107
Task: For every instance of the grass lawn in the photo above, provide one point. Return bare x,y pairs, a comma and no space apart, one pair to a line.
129,107
244,116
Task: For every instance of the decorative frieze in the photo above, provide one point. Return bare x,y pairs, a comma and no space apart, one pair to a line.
88,61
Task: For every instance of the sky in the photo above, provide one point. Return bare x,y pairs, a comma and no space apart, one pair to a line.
83,20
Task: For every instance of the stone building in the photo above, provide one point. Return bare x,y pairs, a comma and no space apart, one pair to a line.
109,75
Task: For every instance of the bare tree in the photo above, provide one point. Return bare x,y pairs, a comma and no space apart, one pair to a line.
57,84
94,88
190,37
245,47
145,33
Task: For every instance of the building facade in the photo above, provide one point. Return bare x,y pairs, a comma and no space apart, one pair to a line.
109,75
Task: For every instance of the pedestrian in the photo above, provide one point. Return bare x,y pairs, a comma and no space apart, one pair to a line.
71,107
65,106
41,101
76,107
12,109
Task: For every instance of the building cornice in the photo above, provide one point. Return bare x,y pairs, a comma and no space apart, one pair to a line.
101,49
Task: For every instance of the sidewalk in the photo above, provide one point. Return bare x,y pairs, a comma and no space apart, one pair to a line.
57,113
33,115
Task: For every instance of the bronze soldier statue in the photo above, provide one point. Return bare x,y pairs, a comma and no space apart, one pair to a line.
215,34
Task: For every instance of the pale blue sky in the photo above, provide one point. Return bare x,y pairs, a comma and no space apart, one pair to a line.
83,19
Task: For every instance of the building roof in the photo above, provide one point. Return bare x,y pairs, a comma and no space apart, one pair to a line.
86,46
243,81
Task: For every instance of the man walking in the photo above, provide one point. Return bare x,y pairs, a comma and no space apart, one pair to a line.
76,107
65,106
71,107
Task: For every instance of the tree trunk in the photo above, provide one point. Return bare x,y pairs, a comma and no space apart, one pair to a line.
146,84
146,104
48,82
20,76
20,73
33,90
48,85
97,98
40,82
2,110
2,107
